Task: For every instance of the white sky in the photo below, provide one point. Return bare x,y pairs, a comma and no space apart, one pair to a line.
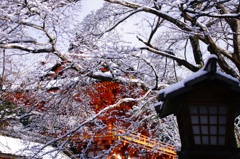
127,29
90,5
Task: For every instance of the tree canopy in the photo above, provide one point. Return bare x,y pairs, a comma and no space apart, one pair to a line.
50,54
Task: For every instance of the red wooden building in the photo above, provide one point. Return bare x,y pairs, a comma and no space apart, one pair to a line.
127,145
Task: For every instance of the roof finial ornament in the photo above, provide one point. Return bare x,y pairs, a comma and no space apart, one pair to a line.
211,64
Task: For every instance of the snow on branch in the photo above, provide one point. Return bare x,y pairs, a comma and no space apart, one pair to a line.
154,71
163,15
90,119
107,76
5,18
27,49
214,15
179,60
120,21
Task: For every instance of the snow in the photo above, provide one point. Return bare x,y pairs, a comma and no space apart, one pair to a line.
228,76
14,146
45,84
163,85
212,56
199,73
203,71
60,82
177,3
181,84
103,74
172,88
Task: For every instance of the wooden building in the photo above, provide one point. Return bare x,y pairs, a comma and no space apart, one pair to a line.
127,145
205,104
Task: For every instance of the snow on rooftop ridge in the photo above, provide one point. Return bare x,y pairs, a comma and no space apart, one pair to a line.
15,146
172,88
213,63
210,66
181,84
228,76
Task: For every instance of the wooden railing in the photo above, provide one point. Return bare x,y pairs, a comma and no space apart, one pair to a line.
144,142
147,143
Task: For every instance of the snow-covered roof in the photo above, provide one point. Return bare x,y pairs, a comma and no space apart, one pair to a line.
19,147
209,71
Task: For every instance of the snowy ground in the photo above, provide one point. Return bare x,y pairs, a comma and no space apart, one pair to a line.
14,146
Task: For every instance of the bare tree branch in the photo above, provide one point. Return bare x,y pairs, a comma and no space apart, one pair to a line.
174,21
180,61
